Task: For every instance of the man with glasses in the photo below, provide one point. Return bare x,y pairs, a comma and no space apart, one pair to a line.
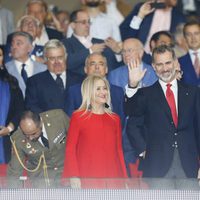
168,138
39,137
48,89
132,51
190,63
80,45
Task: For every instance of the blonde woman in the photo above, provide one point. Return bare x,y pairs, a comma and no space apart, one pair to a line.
93,148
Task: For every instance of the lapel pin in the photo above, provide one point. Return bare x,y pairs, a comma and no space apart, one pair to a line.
28,146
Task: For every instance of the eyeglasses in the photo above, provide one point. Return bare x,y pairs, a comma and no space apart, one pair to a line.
84,22
58,59
131,50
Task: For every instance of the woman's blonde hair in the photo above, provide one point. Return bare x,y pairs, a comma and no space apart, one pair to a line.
88,88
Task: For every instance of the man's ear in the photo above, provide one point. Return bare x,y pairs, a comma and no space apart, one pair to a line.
72,24
85,70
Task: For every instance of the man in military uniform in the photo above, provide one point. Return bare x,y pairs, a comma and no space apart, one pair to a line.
39,147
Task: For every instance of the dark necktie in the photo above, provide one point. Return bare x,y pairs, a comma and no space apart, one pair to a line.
44,141
171,102
24,73
59,82
196,64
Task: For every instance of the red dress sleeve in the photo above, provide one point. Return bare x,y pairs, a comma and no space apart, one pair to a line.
119,145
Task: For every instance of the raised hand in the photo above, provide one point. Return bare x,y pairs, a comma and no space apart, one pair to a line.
135,73
145,9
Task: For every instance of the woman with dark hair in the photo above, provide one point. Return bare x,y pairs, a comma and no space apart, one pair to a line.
11,106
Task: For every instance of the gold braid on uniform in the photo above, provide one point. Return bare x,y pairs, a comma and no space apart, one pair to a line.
42,157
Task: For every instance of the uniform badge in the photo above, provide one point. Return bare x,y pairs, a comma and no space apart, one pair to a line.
28,146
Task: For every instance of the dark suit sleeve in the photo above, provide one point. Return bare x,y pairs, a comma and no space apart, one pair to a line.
70,102
76,56
31,97
125,29
136,132
197,120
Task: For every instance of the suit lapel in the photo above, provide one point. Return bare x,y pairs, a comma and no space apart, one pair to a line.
183,98
161,99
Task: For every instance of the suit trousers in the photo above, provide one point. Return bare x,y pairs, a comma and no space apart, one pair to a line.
175,177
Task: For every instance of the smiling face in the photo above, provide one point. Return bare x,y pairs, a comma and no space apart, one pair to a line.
100,94
96,64
165,66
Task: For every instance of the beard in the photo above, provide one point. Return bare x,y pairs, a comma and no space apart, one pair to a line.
167,76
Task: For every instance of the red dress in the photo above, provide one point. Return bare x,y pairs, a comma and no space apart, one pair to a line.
94,147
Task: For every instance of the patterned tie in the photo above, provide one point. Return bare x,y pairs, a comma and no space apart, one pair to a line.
59,82
24,73
171,102
196,64
44,141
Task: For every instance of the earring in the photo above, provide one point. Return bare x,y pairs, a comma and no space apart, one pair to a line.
106,105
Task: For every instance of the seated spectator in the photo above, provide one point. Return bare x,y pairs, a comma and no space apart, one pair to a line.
31,25
80,45
38,9
6,24
190,63
22,66
132,51
145,20
48,90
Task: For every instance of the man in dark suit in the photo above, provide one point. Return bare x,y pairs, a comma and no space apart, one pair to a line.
80,45
48,90
190,63
95,64
164,122
144,18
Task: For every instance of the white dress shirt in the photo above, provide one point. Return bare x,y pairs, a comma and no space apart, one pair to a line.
62,76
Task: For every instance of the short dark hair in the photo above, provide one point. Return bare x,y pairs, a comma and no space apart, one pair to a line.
156,36
162,49
73,16
24,34
28,114
190,23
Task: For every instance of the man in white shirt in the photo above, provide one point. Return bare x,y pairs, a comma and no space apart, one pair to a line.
164,124
22,66
190,63
145,20
81,44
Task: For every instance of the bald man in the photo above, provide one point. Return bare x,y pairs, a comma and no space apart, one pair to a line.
132,51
